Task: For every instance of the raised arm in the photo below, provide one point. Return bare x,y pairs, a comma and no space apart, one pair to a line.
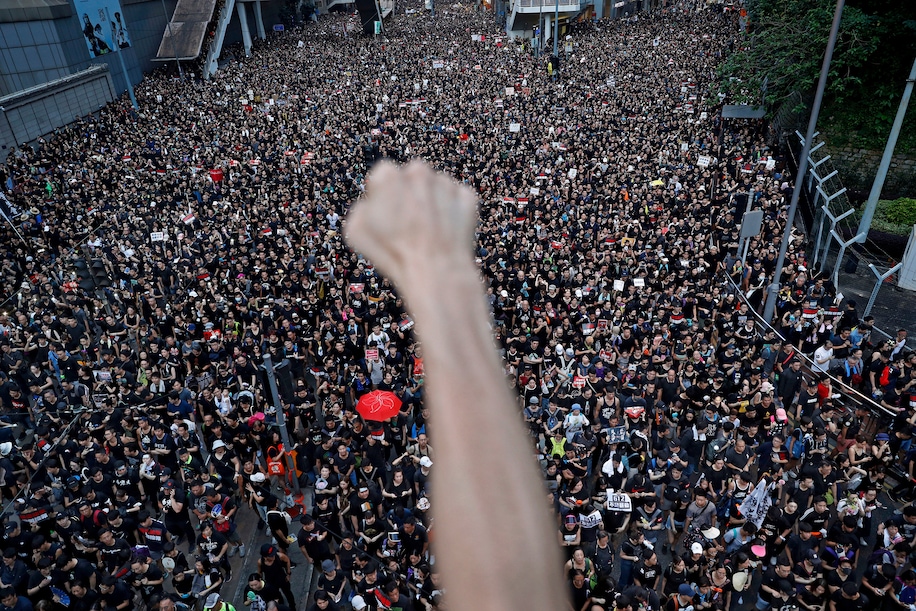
418,228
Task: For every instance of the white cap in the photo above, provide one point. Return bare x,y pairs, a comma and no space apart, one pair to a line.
696,548
5,448
219,443
426,462
258,477
358,603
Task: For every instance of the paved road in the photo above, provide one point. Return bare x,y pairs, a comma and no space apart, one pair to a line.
303,575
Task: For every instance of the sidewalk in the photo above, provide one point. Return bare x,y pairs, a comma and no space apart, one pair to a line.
895,308
233,591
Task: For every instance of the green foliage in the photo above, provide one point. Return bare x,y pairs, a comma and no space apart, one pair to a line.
900,211
896,216
784,47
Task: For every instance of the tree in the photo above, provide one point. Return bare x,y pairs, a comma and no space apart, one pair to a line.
780,54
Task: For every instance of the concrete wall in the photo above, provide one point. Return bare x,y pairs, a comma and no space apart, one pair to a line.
857,169
44,83
38,45
35,112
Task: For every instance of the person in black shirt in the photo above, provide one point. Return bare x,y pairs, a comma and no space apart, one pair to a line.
849,598
313,540
647,573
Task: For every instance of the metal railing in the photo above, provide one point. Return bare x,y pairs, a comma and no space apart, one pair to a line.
851,396
548,5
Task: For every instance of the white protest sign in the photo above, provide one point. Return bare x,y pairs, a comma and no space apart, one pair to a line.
703,161
619,503
158,236
639,282
618,285
515,127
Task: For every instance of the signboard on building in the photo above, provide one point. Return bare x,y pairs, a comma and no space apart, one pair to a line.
103,26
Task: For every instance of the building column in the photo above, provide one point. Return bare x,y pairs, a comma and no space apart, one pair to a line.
246,33
259,20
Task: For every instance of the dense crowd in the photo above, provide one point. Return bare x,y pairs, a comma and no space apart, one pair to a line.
687,453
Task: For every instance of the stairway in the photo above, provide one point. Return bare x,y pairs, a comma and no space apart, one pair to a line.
184,34
216,45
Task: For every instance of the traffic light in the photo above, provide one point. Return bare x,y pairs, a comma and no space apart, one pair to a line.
91,275
83,275
100,274
285,385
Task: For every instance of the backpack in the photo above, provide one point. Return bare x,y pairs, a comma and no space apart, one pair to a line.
714,449
800,445
723,507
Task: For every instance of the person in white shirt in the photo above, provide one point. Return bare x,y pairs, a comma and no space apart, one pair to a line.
822,357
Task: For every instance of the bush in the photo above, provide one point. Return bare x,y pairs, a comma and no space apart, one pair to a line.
900,211
895,216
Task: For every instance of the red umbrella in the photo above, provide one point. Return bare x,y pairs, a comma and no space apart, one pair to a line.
378,405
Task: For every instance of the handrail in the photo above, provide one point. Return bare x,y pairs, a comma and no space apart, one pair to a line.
844,389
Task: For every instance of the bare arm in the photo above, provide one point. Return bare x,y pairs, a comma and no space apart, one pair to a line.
418,226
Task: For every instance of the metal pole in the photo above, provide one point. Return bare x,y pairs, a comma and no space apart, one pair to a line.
870,205
773,290
881,278
168,25
540,29
268,367
556,27
120,52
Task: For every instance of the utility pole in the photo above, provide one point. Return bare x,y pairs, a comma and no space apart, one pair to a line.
773,290
869,213
268,368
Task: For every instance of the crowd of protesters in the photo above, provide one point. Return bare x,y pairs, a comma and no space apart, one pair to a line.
137,430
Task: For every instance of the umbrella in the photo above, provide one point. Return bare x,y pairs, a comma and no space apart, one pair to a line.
378,405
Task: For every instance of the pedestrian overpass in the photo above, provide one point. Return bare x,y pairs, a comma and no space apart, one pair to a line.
199,27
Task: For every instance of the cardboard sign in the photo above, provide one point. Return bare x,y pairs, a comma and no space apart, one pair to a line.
619,503
371,354
158,236
578,382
